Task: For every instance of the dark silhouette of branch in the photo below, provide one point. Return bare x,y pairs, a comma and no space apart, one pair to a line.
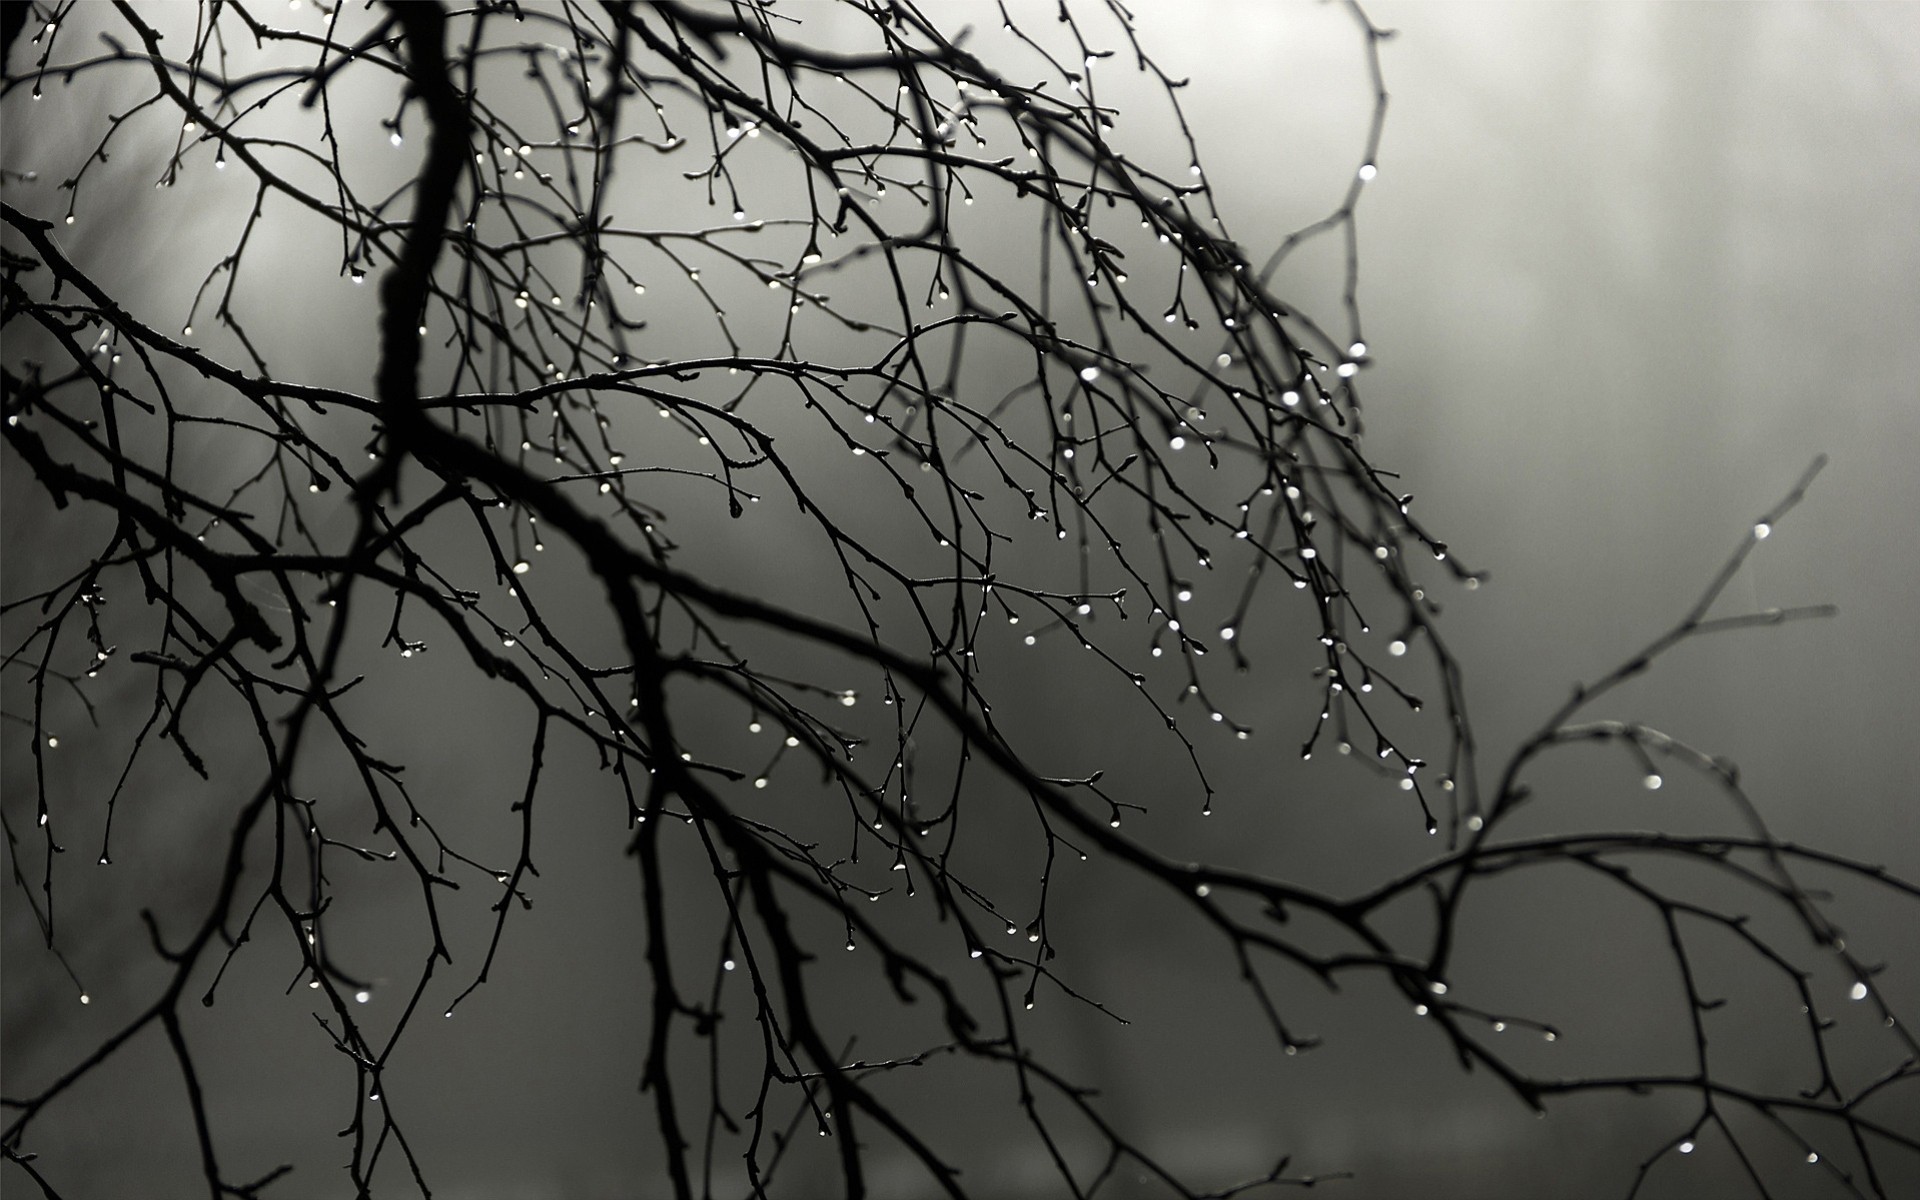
1113,436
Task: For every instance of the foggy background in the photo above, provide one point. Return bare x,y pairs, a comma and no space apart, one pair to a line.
1624,271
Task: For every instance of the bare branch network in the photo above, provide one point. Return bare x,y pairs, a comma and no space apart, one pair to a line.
632,274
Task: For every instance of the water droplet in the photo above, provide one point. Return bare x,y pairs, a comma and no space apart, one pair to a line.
522,567
727,965
1652,782
760,782
1367,172
1228,633
1762,531
1812,1157
1858,991
363,995
849,699
1396,648
1685,1147
53,743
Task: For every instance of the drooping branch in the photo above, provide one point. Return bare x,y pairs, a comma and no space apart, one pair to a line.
1112,440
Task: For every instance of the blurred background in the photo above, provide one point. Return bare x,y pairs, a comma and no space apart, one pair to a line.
1625,270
